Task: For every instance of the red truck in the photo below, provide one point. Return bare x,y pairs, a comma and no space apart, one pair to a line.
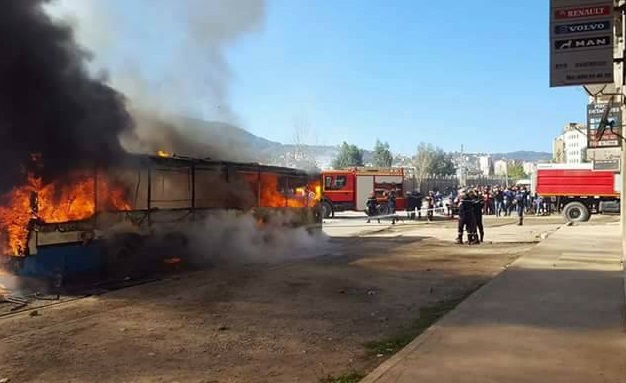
349,189
577,190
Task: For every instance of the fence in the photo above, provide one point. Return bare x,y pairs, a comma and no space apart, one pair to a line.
446,184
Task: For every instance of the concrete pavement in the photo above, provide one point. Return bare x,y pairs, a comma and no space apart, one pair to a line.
555,315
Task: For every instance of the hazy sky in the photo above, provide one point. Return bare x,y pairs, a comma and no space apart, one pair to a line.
404,71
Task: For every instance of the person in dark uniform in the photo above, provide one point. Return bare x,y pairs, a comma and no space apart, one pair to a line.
520,204
466,218
472,236
479,205
391,201
413,202
371,204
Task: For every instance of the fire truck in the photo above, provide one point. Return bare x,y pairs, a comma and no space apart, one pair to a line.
577,190
348,189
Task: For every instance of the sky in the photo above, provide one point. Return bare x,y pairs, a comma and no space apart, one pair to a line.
403,71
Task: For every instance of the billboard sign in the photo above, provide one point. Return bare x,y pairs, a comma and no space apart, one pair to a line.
604,165
609,139
581,42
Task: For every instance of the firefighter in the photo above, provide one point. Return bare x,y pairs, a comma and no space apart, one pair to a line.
520,204
466,217
371,205
391,200
479,205
472,236
413,202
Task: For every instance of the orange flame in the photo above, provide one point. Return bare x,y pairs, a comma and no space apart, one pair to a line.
163,153
271,195
55,202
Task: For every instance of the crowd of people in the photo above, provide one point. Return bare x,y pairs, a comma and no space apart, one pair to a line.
500,201
469,203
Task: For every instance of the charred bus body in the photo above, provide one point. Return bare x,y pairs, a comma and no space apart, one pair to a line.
98,222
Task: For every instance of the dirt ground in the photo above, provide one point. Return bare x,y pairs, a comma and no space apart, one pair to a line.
297,321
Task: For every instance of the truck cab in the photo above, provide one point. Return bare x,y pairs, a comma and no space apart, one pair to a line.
348,189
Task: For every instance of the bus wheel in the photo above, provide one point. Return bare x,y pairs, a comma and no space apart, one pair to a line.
576,212
327,210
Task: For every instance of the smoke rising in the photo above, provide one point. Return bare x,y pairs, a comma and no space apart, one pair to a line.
227,237
186,136
49,104
184,72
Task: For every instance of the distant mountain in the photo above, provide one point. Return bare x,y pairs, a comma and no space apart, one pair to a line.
524,155
221,140
226,134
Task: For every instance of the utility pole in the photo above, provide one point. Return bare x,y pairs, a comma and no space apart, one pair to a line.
462,175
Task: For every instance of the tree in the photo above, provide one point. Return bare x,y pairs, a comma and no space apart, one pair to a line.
302,157
515,171
382,155
430,160
349,156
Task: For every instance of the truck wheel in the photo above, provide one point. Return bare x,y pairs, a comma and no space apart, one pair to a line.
327,209
576,212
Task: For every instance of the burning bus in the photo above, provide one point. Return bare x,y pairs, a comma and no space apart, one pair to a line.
94,222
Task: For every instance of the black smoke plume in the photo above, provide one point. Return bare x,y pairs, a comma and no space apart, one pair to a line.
49,104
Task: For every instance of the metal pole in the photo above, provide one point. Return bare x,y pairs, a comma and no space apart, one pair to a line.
149,202
193,187
620,87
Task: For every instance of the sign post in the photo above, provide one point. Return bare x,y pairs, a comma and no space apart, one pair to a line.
581,42
610,138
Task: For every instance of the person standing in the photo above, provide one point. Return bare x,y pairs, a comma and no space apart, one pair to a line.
466,218
431,206
479,203
520,204
486,196
371,205
498,201
391,201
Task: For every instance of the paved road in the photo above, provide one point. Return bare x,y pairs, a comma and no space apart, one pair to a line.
555,315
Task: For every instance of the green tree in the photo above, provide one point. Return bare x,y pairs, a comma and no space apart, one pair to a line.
349,156
430,160
382,155
515,171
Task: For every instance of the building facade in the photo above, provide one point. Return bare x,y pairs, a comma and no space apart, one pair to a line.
571,146
558,150
500,167
485,164
529,167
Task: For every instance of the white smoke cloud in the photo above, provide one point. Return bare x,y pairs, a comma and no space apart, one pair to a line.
164,55
232,237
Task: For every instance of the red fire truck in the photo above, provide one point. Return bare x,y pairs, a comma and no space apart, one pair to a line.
577,190
349,189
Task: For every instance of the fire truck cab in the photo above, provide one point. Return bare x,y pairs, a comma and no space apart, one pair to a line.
348,189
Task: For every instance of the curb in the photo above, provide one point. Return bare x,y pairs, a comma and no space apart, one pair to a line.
384,367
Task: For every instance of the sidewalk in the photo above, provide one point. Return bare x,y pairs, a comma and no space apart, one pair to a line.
556,315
